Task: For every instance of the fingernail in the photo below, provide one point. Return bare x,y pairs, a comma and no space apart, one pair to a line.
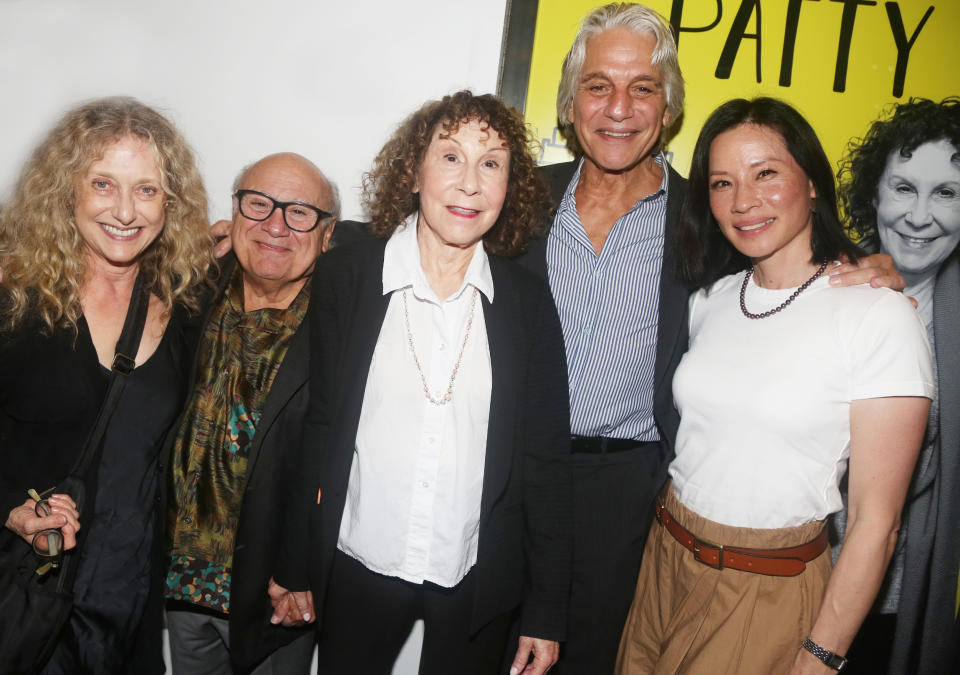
834,280
306,616
514,670
274,620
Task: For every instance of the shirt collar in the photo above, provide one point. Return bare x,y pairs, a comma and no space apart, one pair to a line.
402,268
569,200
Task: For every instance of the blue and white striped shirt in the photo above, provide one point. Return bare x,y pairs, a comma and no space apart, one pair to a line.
609,309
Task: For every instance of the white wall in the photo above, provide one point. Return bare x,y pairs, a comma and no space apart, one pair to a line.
243,79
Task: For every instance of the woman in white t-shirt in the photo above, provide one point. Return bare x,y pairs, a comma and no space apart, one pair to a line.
785,380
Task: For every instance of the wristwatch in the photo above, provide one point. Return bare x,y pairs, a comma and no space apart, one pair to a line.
829,659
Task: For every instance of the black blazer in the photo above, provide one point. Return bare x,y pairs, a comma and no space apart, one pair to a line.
252,636
672,332
524,551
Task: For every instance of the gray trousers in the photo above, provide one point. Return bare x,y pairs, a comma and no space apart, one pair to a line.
199,646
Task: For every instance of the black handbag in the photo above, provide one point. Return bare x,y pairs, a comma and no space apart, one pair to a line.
34,608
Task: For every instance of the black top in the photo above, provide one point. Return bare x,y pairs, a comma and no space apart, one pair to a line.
113,575
51,389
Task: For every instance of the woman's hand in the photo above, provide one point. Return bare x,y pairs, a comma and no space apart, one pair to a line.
290,608
220,231
24,521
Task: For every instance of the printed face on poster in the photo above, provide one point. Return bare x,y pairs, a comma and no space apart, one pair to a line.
840,62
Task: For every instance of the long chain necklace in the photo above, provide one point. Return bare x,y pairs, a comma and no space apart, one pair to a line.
770,312
456,366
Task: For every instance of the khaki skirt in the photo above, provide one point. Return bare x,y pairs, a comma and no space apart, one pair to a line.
687,617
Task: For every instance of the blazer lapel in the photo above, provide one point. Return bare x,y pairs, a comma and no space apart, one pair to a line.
946,321
291,376
368,310
506,367
671,330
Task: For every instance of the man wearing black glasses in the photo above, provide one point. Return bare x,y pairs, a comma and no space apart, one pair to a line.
243,415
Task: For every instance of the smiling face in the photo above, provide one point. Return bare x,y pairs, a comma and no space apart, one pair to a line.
273,257
760,196
462,185
918,208
119,203
620,107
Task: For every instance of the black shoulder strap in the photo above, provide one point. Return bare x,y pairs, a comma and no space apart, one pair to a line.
124,361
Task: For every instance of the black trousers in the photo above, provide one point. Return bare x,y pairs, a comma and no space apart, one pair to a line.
613,500
367,617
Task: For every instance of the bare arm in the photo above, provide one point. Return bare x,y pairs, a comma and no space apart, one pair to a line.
885,437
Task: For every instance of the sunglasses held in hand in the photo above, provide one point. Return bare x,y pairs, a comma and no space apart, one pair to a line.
51,553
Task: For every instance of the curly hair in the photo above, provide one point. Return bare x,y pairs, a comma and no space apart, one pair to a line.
704,254
640,19
41,250
903,128
388,188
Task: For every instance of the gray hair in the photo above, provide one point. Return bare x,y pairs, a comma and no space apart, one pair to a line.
334,190
641,19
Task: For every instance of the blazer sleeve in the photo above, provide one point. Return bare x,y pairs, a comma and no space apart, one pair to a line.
547,483
303,469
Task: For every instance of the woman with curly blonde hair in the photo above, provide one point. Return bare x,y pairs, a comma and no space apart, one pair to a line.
111,194
438,426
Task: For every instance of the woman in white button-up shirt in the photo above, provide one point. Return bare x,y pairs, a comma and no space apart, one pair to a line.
434,481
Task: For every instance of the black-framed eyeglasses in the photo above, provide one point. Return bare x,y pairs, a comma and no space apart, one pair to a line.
298,216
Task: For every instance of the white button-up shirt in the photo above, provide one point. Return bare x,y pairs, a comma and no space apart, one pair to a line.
413,501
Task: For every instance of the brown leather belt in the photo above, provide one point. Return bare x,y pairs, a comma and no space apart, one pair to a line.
776,562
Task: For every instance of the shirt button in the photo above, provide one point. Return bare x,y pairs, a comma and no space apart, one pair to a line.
187,520
441,346
425,484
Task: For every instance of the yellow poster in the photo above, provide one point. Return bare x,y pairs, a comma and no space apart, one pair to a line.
840,62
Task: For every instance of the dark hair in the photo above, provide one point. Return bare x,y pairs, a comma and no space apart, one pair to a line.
907,126
388,188
704,254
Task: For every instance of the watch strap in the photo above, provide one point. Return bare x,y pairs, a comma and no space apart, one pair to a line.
828,658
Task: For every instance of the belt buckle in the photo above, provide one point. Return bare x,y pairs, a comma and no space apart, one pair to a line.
698,543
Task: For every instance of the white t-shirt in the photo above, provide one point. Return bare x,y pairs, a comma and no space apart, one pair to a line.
765,403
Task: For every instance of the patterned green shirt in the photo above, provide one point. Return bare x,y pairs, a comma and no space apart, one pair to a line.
240,354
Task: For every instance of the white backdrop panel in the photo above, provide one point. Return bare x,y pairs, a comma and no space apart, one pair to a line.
242,79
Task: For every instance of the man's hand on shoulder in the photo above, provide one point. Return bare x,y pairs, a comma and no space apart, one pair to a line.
220,231
877,270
